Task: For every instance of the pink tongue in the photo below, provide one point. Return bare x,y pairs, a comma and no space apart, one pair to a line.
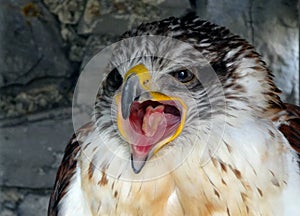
147,128
153,120
154,124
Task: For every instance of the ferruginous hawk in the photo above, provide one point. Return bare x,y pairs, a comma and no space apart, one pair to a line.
187,121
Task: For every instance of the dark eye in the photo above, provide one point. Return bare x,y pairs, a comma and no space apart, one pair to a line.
183,75
114,80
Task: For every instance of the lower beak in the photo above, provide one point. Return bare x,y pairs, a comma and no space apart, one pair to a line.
137,163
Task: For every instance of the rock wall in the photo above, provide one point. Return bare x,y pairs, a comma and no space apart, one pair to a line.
272,27
43,45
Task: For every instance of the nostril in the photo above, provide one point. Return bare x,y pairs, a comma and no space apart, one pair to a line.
145,82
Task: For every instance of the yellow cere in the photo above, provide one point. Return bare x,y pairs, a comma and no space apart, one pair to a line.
142,73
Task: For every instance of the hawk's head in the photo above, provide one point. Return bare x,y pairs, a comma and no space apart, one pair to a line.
172,84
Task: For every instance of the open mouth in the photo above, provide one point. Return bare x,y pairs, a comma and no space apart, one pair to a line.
149,123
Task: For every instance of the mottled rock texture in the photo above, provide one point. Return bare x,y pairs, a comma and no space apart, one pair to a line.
23,202
272,27
31,46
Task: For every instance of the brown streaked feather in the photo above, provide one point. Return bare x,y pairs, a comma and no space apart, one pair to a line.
291,126
64,175
67,168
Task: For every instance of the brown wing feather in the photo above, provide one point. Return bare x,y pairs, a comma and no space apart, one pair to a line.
291,126
67,168
64,175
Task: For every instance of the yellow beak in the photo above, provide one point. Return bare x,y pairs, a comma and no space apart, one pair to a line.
139,109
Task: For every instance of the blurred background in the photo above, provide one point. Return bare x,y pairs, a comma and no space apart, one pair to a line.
43,43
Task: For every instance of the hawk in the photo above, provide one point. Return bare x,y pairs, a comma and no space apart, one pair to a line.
188,121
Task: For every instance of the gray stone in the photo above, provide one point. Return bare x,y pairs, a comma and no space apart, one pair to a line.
33,100
234,14
180,4
102,18
34,205
174,8
106,21
31,47
95,44
276,37
68,12
9,200
123,15
31,152
104,24
77,50
76,42
10,195
7,212
91,13
272,27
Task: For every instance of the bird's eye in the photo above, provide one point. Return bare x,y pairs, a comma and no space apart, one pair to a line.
183,75
114,80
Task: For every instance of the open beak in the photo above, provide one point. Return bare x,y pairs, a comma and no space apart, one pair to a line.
148,120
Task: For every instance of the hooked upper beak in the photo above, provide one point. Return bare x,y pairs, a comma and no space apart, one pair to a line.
137,82
148,120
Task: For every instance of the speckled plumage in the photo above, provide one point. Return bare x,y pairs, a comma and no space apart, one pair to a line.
248,166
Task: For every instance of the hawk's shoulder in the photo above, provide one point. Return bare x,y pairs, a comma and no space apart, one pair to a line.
67,168
290,126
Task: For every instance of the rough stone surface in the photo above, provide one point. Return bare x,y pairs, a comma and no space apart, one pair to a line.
119,16
32,49
236,18
32,101
34,205
9,201
23,202
68,12
276,37
31,151
272,27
